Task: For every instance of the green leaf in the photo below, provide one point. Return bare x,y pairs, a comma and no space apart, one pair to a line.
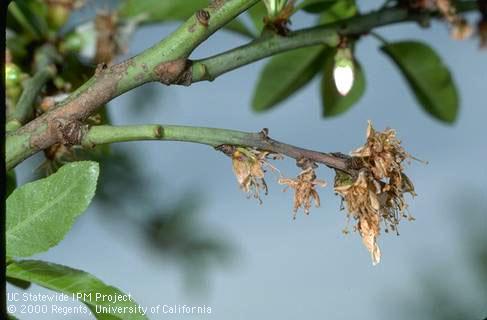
40,213
257,13
11,182
333,102
156,11
30,15
338,11
285,74
72,281
316,6
24,285
429,79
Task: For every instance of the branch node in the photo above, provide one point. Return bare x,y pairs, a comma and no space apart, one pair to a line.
100,68
203,17
175,72
305,163
264,133
70,132
226,149
158,132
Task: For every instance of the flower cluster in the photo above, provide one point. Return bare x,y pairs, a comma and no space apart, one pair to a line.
482,32
372,186
460,29
482,24
377,194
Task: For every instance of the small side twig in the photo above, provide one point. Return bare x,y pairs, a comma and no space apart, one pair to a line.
213,137
24,108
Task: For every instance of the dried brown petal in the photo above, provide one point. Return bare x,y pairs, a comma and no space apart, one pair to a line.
482,32
304,189
461,30
369,237
248,168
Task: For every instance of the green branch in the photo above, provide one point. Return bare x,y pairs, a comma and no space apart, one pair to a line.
328,34
25,106
210,136
164,62
167,62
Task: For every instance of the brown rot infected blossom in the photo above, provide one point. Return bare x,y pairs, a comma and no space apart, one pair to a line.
55,157
376,195
482,32
304,186
248,166
460,29
382,153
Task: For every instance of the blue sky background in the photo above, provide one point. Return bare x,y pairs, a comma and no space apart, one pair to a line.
306,268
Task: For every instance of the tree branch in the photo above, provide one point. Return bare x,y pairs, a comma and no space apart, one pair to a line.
328,34
167,62
210,136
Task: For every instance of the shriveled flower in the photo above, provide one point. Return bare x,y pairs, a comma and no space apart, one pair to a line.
363,204
55,157
482,32
248,168
382,153
460,29
304,187
376,195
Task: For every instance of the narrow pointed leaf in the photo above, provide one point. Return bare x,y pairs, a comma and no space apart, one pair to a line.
338,10
319,6
257,13
30,15
11,182
72,281
21,284
157,11
285,74
333,102
40,213
428,77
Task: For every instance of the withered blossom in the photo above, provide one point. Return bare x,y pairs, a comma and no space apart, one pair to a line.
377,194
482,32
55,157
363,203
382,153
460,29
248,168
106,45
304,187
